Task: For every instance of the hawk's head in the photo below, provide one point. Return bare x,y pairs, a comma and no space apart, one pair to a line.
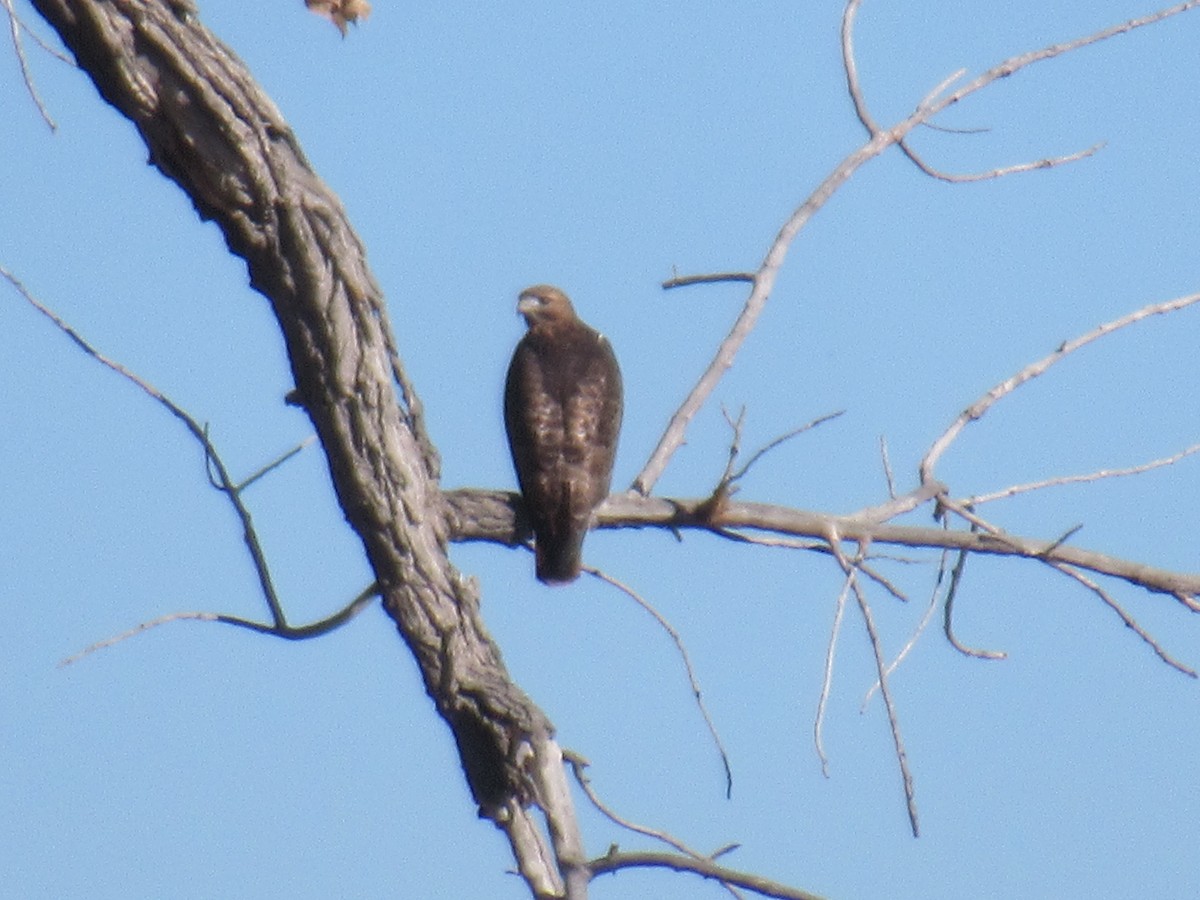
544,304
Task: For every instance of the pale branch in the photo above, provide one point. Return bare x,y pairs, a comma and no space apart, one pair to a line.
819,547
887,467
1015,489
763,279
485,515
1048,162
684,657
977,409
616,861
552,793
678,281
16,26
850,568
827,675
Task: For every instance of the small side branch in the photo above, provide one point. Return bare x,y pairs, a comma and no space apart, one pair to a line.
615,861
221,479
977,409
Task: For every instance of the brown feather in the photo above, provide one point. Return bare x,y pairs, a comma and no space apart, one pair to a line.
562,411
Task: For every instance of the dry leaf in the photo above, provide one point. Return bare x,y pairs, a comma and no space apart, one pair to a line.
339,12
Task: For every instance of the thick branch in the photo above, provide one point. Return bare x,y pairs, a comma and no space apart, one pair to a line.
211,130
479,515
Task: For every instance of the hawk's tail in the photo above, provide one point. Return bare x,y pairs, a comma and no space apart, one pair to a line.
559,558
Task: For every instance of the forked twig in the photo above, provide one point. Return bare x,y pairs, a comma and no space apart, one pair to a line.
881,668
579,770
782,439
16,26
222,481
763,280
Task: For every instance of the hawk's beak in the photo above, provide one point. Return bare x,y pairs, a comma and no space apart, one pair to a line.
527,304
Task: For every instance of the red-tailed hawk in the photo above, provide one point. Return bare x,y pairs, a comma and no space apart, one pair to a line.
562,411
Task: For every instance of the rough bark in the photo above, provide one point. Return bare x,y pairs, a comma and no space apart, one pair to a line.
210,129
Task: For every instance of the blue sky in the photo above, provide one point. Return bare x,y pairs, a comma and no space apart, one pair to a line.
603,148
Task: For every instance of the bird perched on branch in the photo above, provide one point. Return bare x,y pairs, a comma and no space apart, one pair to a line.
562,411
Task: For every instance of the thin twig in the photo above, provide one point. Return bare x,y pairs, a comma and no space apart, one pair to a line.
977,409
881,668
1129,620
827,676
277,462
905,650
579,767
679,281
687,665
1049,162
291,633
15,26
1079,479
221,479
956,574
887,467
783,438
615,861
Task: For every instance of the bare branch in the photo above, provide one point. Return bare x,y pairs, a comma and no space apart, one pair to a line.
687,665
887,467
615,861
288,632
1130,622
977,409
783,438
579,766
880,140
1048,162
483,515
16,26
827,675
1079,479
678,281
276,463
223,482
881,668
948,615
905,650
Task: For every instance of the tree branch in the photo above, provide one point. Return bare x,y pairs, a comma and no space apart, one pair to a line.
485,515
210,129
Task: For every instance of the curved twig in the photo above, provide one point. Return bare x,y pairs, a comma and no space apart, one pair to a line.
687,665
287,632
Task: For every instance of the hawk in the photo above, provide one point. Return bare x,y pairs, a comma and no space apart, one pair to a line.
562,412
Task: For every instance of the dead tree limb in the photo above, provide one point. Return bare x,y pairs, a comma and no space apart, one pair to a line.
211,130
